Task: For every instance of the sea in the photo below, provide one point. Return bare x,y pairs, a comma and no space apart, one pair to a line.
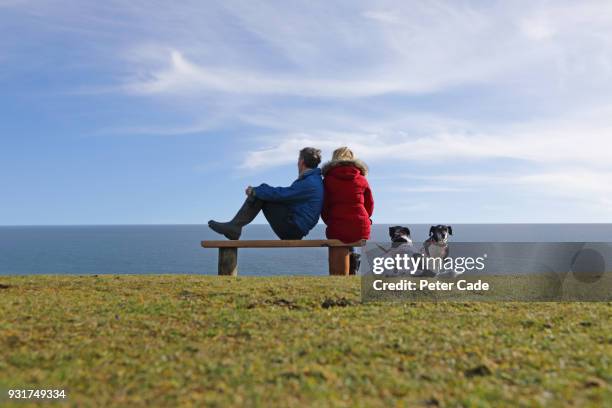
175,249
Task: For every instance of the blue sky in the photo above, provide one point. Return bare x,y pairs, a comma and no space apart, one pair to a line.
162,112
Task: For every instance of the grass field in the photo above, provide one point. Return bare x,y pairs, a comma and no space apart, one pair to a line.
181,340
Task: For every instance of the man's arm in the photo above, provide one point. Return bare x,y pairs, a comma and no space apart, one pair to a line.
299,190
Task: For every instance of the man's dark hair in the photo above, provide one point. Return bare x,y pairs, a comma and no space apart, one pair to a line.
311,157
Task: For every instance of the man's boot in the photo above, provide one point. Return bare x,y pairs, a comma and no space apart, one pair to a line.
246,214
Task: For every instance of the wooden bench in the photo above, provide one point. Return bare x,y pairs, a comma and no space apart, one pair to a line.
338,255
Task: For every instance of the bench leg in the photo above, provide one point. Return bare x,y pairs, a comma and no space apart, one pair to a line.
339,261
228,261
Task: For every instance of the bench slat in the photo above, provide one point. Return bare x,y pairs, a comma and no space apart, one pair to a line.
276,243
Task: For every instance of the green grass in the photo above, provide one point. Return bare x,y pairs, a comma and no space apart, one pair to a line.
193,340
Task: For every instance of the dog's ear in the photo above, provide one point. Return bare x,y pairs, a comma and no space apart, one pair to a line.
450,229
407,231
391,231
432,230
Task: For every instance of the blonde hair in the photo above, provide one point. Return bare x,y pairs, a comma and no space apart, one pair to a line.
343,153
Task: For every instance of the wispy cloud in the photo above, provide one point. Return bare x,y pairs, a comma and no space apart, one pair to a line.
430,189
183,76
558,143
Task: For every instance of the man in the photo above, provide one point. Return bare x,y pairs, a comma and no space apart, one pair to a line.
291,211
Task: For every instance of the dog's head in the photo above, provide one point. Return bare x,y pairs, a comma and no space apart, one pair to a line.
400,234
440,233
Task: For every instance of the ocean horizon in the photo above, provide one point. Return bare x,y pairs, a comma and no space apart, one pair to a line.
175,249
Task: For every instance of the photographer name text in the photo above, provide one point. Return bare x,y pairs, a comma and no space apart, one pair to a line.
423,284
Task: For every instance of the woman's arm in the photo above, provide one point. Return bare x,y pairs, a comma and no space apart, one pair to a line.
325,209
368,200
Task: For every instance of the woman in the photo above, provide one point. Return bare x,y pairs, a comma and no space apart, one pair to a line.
348,203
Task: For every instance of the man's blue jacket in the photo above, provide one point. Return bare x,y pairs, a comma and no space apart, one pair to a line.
304,197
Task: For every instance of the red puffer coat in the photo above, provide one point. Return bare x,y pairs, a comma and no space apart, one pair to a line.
348,203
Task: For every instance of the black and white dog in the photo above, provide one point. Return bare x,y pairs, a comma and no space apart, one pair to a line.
401,243
400,235
436,246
